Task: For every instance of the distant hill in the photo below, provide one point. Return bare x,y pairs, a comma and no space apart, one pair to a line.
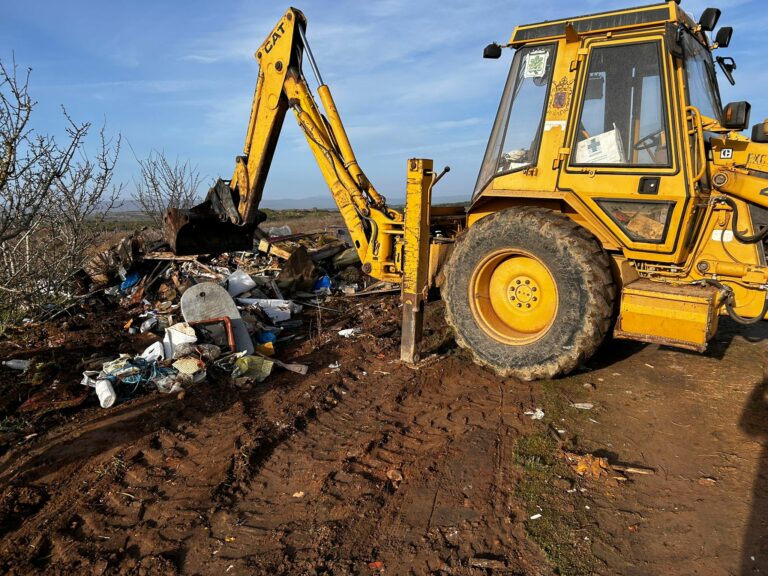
324,202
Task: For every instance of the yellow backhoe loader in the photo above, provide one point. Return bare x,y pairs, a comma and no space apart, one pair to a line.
616,193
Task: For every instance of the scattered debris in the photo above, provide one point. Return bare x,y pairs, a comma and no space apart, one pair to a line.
582,405
555,433
291,367
299,272
633,469
256,368
239,282
349,332
587,465
595,467
16,364
210,315
190,368
277,310
395,478
537,414
176,335
148,324
114,263
208,300
346,258
154,352
489,563
106,393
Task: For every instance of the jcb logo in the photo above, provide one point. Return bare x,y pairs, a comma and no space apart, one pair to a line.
277,33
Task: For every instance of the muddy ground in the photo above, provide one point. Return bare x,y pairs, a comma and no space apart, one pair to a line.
378,468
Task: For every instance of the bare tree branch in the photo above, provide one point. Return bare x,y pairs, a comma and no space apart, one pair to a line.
30,163
53,201
162,185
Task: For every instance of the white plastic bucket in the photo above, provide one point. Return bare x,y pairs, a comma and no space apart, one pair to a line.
106,393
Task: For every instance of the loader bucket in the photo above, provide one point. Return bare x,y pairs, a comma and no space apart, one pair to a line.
199,230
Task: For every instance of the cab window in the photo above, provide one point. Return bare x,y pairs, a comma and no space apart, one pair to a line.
516,134
623,120
701,82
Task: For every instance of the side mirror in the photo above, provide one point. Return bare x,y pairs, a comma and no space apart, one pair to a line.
760,132
736,115
709,19
723,38
492,51
727,65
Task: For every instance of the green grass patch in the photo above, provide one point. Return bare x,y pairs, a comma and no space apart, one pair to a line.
14,424
114,468
559,531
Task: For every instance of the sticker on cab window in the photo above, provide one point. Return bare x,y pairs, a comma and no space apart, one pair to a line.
536,64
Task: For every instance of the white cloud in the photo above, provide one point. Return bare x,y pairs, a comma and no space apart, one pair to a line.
201,58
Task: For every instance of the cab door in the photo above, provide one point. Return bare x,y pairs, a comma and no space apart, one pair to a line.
623,158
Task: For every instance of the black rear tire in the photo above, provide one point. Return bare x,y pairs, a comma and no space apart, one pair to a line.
579,269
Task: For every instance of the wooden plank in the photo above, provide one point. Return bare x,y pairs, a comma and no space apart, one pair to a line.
170,256
268,248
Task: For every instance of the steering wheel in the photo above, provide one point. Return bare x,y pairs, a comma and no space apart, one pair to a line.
652,140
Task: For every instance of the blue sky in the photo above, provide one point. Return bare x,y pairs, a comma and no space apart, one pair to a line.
408,77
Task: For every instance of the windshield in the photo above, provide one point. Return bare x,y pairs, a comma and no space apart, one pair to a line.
700,75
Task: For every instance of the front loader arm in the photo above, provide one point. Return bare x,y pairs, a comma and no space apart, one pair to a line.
740,168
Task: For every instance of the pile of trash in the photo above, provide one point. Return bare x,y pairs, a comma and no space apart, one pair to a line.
223,315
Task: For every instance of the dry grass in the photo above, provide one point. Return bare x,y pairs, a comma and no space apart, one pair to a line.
301,221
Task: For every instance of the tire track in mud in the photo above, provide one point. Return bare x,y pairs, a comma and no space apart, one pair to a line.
323,501
125,484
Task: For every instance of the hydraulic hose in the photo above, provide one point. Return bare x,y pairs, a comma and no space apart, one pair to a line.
758,237
729,302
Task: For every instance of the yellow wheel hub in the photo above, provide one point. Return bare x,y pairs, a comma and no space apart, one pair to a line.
513,297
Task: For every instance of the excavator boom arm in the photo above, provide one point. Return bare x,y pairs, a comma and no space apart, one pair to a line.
390,247
281,85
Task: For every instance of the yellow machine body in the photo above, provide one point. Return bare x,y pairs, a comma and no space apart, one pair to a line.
693,241
684,316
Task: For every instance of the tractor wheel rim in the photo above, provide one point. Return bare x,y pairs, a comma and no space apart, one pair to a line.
513,297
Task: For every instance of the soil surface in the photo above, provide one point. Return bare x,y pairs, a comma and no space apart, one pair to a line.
367,466
699,420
